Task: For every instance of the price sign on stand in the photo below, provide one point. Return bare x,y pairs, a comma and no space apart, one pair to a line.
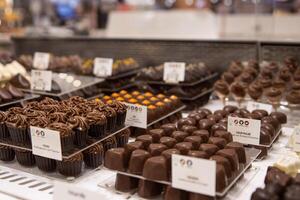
190,174
251,105
67,191
103,67
174,72
296,139
41,60
136,115
46,143
41,80
246,131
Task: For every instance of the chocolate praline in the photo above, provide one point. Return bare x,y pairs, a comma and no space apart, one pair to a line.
279,116
218,126
168,128
184,147
188,129
204,134
206,124
179,135
210,149
230,109
186,121
204,111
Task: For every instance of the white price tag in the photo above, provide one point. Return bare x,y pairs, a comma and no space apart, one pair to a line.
136,115
251,105
103,67
67,191
296,139
246,131
41,60
46,143
174,72
190,174
41,80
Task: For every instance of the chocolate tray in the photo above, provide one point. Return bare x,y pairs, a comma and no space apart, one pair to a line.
197,96
251,155
66,86
70,153
27,97
212,76
121,75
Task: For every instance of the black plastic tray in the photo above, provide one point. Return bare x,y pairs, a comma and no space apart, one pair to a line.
214,75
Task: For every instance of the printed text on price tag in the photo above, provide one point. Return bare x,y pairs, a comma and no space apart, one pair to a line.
46,143
296,139
103,67
246,131
67,191
174,72
191,174
251,105
41,60
136,115
41,80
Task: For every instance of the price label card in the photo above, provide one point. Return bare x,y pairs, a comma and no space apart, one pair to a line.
251,105
67,191
136,115
191,174
103,67
174,72
246,131
46,143
296,139
41,80
41,60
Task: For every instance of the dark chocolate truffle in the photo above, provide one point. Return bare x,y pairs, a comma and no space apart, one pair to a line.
179,135
168,141
204,134
168,129
223,134
240,150
198,154
232,156
126,183
115,159
155,149
156,134
137,160
195,140
149,189
156,168
145,139
225,162
220,142
210,149
184,147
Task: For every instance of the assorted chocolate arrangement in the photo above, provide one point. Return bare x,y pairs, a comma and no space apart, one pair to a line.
194,72
272,82
278,186
150,155
80,123
74,63
157,105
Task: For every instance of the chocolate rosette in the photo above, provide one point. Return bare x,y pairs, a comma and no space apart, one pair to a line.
80,126
98,124
18,129
3,129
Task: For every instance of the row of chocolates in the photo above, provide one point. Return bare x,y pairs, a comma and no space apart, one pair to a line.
217,120
76,120
270,80
193,72
75,63
157,105
73,166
